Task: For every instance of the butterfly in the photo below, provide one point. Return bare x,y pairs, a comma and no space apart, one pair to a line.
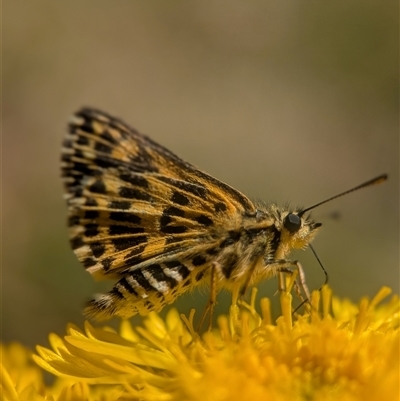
158,226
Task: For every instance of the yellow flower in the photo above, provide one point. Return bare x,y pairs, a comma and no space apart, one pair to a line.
20,377
349,354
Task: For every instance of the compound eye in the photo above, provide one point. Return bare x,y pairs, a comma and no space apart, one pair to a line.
292,222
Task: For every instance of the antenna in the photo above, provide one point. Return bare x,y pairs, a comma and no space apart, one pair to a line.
376,180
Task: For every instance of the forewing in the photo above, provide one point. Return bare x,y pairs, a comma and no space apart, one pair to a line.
133,203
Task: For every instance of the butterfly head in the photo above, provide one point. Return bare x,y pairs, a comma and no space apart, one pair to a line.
296,230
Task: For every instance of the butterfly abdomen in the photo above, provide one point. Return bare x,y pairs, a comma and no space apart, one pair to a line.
143,290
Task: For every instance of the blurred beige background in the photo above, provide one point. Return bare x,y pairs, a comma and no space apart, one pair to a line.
286,101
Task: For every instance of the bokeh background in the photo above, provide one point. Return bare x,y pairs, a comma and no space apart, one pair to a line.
286,101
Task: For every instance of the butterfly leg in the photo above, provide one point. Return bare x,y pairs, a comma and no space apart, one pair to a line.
300,284
212,299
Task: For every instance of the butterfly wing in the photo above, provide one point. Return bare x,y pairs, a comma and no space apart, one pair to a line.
135,207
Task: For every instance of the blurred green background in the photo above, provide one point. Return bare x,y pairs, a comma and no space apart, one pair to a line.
285,101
